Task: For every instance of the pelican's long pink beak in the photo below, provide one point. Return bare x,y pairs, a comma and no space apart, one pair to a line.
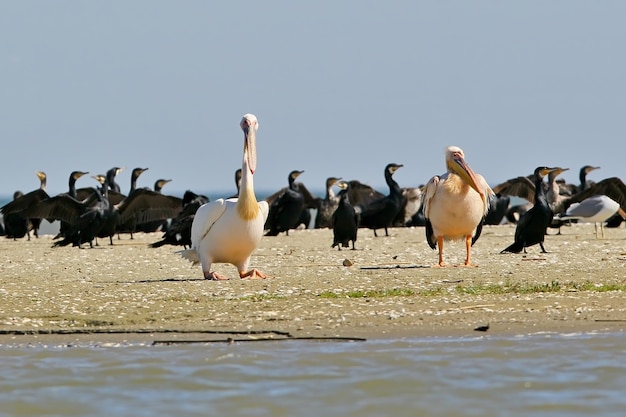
463,169
249,146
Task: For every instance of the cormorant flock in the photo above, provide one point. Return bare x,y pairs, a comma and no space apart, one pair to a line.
454,205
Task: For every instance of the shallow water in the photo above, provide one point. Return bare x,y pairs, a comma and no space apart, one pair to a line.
543,374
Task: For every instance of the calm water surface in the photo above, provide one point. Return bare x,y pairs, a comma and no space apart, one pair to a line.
532,375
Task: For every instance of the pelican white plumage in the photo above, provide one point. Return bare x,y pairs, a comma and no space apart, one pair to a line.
455,204
229,230
595,209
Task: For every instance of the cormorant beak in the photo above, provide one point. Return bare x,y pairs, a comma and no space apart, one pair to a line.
548,171
342,184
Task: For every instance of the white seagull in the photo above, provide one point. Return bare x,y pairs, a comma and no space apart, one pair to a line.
229,230
595,209
455,204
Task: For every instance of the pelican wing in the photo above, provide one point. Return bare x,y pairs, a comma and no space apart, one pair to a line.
489,194
205,218
429,193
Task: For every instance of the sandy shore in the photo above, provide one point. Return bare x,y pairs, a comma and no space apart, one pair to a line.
130,291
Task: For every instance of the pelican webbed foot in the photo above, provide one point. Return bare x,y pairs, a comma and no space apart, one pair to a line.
253,274
214,276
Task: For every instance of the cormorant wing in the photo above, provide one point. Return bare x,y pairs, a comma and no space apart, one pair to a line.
60,207
88,192
361,194
522,187
147,206
612,187
190,197
25,201
271,199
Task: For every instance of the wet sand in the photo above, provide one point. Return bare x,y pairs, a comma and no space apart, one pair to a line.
389,289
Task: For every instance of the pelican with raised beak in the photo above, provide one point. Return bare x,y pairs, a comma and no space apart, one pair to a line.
229,230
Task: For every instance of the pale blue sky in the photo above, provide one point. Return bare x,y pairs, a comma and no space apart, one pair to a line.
340,88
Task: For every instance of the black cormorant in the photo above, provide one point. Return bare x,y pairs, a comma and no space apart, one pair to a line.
380,214
326,206
286,209
16,224
532,225
344,221
162,225
72,192
84,218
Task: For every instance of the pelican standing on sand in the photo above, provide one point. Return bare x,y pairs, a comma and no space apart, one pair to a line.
229,230
455,204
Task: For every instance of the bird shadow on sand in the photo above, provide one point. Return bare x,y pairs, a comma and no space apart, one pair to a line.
150,281
395,267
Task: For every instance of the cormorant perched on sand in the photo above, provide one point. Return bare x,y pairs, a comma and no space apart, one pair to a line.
96,216
72,192
149,227
344,221
179,230
129,226
532,225
380,214
524,187
84,218
16,224
326,206
287,207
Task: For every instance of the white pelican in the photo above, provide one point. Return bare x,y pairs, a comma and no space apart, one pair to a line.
455,204
229,230
595,209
